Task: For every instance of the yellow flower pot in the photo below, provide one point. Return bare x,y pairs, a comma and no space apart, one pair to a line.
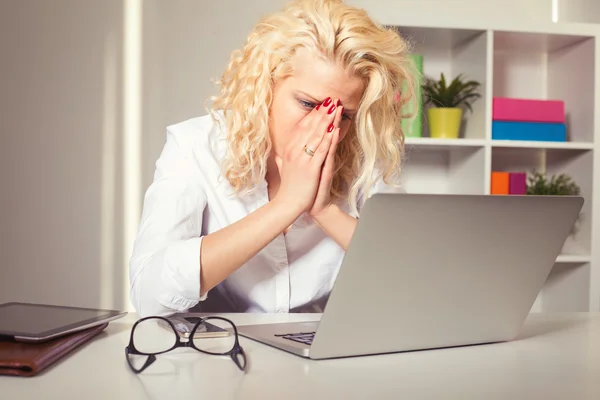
444,123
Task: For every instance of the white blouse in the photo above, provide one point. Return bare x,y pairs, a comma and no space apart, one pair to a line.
188,199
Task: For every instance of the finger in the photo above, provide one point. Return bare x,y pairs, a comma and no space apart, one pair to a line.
338,116
309,122
336,126
328,167
332,149
323,127
322,151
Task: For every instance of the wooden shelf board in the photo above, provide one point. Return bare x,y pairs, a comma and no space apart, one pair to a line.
543,145
447,144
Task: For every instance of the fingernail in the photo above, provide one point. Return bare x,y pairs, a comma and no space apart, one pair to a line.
318,106
327,101
339,103
330,128
331,109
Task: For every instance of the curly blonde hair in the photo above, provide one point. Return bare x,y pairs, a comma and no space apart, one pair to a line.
373,147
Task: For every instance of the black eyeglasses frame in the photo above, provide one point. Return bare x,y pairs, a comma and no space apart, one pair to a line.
235,352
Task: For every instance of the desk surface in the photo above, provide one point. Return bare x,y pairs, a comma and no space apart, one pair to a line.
557,356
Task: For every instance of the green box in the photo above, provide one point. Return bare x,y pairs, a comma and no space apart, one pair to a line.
415,129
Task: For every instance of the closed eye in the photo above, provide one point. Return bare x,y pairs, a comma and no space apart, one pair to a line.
309,106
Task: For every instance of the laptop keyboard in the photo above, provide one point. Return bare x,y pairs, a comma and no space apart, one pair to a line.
303,337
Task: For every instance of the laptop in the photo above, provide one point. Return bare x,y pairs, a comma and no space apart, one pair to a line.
433,271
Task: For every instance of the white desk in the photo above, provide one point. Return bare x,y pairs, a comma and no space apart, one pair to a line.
556,357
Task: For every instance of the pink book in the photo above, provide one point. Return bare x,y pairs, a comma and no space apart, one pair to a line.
528,110
517,183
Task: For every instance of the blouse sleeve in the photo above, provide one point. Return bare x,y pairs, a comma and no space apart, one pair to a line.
164,268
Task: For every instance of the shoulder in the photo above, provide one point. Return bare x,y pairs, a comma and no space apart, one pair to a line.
193,149
199,134
199,144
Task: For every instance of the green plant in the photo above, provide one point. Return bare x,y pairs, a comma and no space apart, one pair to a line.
557,185
458,92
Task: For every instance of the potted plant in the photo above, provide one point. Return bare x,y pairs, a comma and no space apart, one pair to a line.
558,185
445,114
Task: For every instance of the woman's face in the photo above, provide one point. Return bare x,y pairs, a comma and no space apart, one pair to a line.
313,81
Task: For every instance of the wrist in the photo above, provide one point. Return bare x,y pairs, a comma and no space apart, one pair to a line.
324,213
288,211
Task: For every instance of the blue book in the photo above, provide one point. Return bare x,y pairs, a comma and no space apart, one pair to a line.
538,131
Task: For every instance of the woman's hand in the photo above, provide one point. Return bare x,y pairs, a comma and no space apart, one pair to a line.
303,159
323,196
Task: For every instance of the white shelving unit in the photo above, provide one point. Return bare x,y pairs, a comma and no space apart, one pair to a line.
550,61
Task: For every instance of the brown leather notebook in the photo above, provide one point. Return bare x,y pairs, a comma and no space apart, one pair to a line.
29,359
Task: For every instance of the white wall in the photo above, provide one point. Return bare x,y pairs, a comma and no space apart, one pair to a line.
55,111
70,106
446,12
586,11
67,115
187,44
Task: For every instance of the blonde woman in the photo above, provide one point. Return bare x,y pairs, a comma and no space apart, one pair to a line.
253,205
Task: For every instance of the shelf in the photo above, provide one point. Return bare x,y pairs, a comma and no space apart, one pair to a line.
459,169
579,165
453,52
566,289
437,38
542,156
534,42
543,145
445,144
426,143
537,61
542,66
573,259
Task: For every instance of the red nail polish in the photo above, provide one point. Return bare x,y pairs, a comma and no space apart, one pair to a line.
339,103
331,109
327,101
330,128
318,106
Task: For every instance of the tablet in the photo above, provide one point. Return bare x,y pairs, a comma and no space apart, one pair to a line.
29,322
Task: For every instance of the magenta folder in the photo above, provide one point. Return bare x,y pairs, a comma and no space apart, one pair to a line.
517,183
528,110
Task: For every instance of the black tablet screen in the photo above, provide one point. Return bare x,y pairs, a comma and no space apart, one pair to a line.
35,319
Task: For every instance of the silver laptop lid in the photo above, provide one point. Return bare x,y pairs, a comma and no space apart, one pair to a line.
428,271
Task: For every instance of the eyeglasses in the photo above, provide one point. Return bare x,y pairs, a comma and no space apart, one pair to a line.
151,336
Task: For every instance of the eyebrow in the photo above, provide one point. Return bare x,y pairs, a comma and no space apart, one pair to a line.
320,101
